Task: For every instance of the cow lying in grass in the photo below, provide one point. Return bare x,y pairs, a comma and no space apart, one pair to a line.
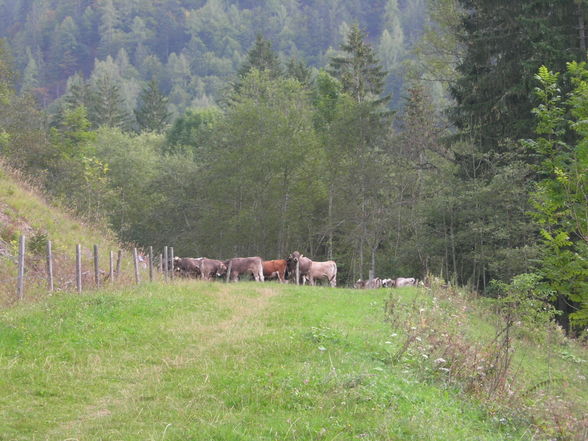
368,284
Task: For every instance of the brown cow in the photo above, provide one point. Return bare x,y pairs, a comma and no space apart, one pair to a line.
323,270
211,268
304,265
188,266
245,265
274,268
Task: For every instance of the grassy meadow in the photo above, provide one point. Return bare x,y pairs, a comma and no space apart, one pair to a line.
210,361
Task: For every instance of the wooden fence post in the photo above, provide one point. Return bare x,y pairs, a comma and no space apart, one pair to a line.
96,266
118,263
165,263
136,265
21,267
160,263
171,259
151,264
229,271
79,268
49,267
111,268
297,272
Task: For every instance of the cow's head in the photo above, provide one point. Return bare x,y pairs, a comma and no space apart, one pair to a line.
221,270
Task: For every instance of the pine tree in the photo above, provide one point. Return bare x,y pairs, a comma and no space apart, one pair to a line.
358,69
298,70
108,106
64,49
78,92
506,42
30,77
152,109
262,58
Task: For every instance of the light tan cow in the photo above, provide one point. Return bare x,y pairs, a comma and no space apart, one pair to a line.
323,270
404,281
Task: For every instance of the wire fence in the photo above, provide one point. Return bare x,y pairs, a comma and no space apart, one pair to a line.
34,272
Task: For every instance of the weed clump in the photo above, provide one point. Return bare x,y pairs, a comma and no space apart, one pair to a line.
441,344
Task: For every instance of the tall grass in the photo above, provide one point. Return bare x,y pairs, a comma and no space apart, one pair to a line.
538,378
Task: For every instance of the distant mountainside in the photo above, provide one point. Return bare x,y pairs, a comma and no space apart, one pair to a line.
193,48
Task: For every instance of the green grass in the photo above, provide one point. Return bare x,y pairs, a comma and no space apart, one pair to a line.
204,361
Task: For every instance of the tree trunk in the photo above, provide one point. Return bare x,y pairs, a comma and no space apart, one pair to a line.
581,29
330,239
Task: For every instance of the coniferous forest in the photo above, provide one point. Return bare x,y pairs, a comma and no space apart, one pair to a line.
402,137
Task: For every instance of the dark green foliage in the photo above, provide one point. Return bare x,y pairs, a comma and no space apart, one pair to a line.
192,130
260,57
108,106
6,74
559,200
299,70
506,43
152,112
214,37
263,58
358,68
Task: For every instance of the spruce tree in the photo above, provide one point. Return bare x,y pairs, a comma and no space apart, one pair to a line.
260,57
152,112
506,42
108,106
358,69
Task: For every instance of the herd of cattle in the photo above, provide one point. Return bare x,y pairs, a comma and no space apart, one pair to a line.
283,270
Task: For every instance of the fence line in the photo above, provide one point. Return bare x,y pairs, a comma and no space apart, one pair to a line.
111,268
150,263
79,268
165,262
96,266
136,265
49,267
21,267
165,267
114,271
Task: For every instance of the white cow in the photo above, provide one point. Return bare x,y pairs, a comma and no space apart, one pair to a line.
388,283
323,270
404,281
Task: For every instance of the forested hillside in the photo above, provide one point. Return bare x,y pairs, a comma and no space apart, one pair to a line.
401,137
192,48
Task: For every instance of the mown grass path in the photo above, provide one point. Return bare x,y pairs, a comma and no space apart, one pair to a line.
204,361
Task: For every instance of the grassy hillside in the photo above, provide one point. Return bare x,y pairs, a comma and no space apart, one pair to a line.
24,211
247,361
